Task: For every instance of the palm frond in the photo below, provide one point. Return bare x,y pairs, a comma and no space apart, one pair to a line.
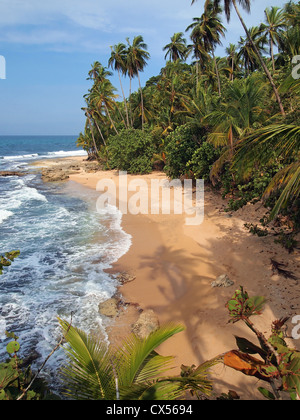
89,373
137,360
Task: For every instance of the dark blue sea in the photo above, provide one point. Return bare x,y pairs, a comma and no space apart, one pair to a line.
65,246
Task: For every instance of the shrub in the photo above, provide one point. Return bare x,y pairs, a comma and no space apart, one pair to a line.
131,150
202,160
181,145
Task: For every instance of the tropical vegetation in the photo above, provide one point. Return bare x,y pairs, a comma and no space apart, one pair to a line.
228,119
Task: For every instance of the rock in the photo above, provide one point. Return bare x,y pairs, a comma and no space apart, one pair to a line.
92,167
11,173
222,281
125,278
109,308
54,175
146,324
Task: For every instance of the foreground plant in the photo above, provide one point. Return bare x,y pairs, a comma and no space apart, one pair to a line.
279,365
133,371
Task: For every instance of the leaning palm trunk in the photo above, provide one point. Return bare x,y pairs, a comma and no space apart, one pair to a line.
217,74
93,137
269,76
109,116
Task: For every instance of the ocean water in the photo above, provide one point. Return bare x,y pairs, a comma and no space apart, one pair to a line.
65,247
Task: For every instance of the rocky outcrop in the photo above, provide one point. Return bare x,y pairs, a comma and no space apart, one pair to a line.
109,308
11,173
54,175
222,281
62,172
146,324
124,278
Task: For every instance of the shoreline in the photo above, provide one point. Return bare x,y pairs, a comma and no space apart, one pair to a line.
174,266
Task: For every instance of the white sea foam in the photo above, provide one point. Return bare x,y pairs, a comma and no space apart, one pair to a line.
60,153
5,214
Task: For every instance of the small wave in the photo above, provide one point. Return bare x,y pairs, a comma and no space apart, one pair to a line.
60,153
63,153
5,214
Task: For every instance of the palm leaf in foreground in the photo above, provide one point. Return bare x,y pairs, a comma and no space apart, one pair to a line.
89,373
132,371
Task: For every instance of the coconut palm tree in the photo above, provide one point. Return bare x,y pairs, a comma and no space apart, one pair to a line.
209,29
247,53
234,116
176,49
246,4
232,59
273,27
132,371
102,96
136,60
117,61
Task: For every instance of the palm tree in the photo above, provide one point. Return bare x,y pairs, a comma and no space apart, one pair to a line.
284,141
133,371
234,116
274,28
117,61
209,28
102,95
176,49
246,4
232,59
247,52
136,61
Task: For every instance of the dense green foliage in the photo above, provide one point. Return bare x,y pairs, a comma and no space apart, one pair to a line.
131,150
215,118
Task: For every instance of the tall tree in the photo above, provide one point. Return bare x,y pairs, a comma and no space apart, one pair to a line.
176,49
117,61
246,4
247,53
274,28
137,56
209,29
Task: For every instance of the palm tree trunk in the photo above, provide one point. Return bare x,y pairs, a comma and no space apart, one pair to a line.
92,133
131,119
260,59
142,99
125,103
109,116
217,73
272,54
100,132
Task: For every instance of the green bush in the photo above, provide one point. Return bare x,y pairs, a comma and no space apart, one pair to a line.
132,151
202,160
181,146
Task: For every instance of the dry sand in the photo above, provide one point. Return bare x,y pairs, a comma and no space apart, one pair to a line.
174,265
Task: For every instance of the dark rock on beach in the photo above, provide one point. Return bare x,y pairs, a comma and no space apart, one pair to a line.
11,173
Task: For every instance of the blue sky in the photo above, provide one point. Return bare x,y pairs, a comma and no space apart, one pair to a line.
49,48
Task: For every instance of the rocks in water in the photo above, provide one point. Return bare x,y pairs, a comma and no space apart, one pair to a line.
222,281
125,278
146,324
11,173
109,308
54,175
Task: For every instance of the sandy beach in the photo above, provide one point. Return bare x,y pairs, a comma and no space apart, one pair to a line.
174,266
